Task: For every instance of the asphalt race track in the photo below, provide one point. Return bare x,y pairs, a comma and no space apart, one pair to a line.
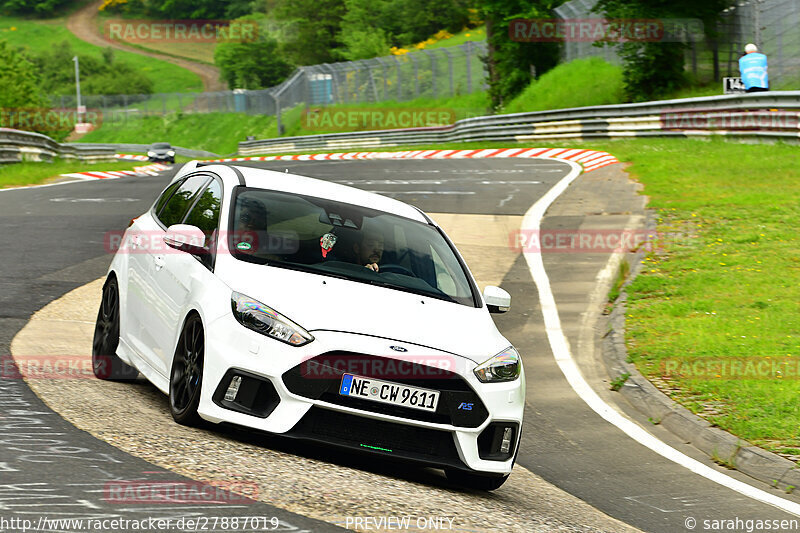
52,242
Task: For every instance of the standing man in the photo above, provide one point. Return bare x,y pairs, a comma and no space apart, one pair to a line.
753,69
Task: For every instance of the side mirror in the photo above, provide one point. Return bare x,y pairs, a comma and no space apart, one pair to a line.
497,300
186,238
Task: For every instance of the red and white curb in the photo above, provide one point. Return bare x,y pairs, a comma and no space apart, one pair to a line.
147,170
589,159
131,157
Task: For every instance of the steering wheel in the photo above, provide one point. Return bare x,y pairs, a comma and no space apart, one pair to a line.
393,268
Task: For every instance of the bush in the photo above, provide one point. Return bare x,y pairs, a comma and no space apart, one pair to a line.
42,8
370,27
98,76
18,83
180,9
252,65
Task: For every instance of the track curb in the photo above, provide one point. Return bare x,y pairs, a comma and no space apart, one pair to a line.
722,447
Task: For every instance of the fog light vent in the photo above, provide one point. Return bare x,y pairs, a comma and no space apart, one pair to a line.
505,445
233,388
498,441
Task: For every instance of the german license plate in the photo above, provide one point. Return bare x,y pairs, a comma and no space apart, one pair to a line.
387,392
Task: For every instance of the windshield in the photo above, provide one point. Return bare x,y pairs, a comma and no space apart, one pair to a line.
347,241
161,146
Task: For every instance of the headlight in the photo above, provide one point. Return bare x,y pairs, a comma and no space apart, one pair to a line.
254,315
151,153
171,153
504,366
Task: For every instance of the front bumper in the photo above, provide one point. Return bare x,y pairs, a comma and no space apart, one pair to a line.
281,393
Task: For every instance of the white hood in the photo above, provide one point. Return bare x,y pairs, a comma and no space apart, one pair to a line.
353,307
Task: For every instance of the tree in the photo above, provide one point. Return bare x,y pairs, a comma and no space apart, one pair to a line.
310,30
32,7
56,71
653,69
370,27
18,83
251,65
511,63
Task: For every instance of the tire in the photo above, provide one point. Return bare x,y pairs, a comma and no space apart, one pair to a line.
186,376
105,362
475,481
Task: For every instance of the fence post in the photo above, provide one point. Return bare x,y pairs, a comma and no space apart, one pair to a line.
278,113
468,54
432,57
416,74
384,72
399,80
449,68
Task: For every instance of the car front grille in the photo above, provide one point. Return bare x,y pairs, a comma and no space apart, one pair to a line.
320,378
366,434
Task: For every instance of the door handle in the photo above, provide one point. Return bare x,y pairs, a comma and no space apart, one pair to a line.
159,262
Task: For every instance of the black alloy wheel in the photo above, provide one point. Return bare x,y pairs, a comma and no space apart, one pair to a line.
105,362
186,377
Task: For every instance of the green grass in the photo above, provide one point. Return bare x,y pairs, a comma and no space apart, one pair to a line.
221,132
726,286
583,82
33,173
215,132
202,52
41,35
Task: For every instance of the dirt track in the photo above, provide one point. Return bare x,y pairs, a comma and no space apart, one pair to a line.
83,25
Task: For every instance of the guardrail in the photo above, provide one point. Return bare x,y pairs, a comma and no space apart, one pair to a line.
763,116
16,146
142,148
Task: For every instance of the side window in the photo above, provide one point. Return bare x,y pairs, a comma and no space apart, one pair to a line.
165,196
205,213
176,207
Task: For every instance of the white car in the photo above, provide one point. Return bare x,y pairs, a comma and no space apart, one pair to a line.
313,310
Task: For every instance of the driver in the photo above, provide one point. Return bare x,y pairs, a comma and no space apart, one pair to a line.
370,249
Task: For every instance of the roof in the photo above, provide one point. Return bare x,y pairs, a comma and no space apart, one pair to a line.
293,183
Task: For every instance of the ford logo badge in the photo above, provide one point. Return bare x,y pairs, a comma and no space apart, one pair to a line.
398,348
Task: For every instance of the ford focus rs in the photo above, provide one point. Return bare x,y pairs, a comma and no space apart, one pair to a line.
316,311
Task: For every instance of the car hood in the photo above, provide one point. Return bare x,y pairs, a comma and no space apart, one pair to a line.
318,302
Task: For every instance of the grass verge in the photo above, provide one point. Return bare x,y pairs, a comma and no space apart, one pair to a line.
582,82
33,173
716,310
42,35
221,132
216,132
